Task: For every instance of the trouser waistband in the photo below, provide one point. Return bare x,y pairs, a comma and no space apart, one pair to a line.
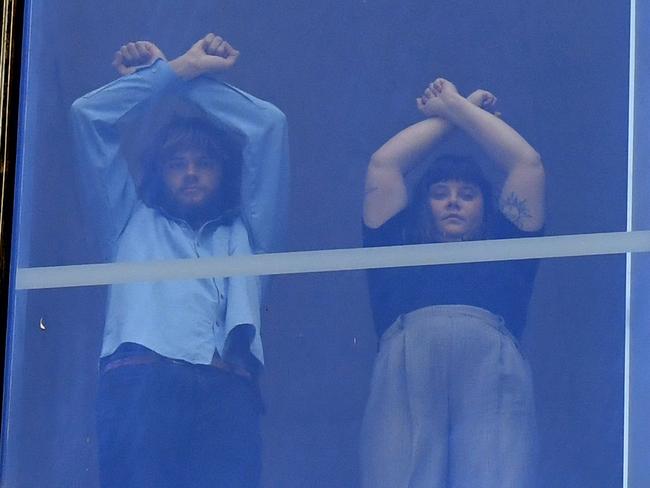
145,356
425,313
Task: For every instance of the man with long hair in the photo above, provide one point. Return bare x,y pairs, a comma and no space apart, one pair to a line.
178,402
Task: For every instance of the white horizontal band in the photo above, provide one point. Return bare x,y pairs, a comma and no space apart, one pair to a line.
333,260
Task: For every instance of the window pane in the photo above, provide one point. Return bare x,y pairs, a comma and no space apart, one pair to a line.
639,427
545,69
116,178
320,346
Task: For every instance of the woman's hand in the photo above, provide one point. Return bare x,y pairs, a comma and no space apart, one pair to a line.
436,99
483,99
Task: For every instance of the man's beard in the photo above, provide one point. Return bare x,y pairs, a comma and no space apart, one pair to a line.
193,213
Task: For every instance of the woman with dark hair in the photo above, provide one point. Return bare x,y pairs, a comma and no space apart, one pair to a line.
451,401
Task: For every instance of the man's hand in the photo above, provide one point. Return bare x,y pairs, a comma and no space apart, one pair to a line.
135,55
210,55
237,354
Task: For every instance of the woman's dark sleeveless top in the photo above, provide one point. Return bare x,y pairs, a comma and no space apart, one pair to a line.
502,287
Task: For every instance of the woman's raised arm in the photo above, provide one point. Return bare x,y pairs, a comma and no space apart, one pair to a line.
522,196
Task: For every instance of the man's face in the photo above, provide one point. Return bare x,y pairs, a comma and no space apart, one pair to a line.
192,179
457,208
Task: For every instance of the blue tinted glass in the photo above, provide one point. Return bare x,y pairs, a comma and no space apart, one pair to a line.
320,348
288,132
639,427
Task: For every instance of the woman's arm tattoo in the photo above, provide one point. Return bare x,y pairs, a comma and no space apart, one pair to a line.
515,209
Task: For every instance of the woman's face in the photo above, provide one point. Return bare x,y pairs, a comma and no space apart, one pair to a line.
457,208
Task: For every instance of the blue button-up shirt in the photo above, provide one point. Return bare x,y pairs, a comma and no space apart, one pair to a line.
189,319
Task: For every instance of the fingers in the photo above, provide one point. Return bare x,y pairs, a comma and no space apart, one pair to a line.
434,89
129,51
429,92
142,47
118,64
422,106
229,52
440,89
124,53
135,50
489,101
153,50
217,46
213,44
483,99
117,59
135,53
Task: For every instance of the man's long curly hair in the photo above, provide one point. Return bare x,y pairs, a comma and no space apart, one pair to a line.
193,132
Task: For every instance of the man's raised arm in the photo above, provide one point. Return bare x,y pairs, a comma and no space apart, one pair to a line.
265,171
105,179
